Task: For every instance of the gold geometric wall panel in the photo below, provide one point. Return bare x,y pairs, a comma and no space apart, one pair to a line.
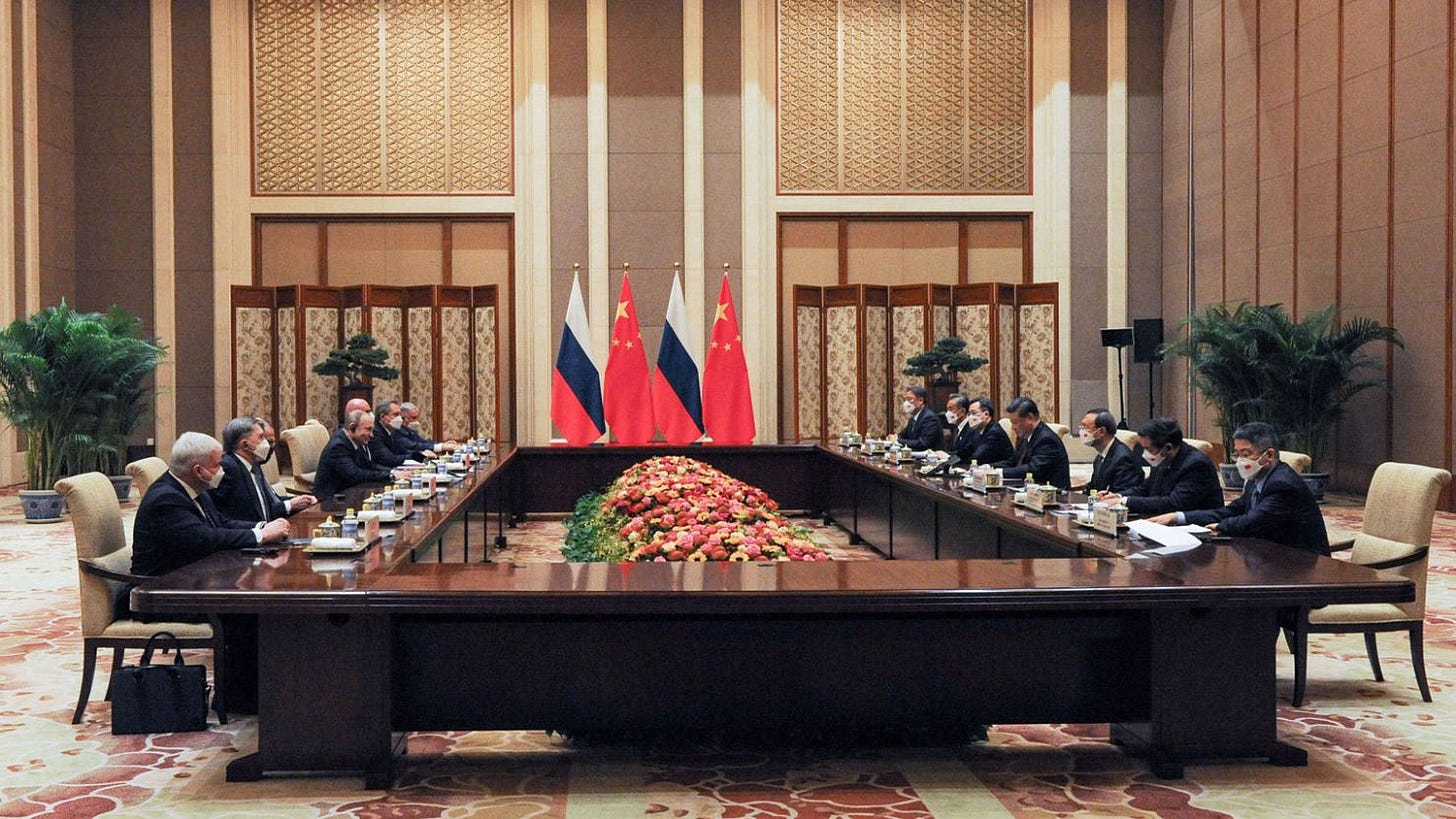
904,96
382,96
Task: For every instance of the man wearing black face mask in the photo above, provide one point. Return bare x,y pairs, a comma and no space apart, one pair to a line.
1182,478
1276,504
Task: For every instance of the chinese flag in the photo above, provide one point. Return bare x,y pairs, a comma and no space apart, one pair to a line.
626,393
727,400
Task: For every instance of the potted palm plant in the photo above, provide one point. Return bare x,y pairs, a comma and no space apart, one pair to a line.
72,384
1256,363
361,357
943,364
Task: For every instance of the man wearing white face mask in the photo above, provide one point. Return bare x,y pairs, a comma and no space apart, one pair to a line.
389,446
1182,477
983,441
177,522
1276,504
244,493
1114,469
922,431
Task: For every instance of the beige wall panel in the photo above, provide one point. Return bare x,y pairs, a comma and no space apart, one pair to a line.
285,105
876,252
994,251
1318,127
1420,178
1418,373
931,251
288,253
480,96
1420,82
415,62
480,253
1276,274
935,95
349,96
395,253
808,97
1366,36
872,86
1417,26
1369,95
1365,189
810,252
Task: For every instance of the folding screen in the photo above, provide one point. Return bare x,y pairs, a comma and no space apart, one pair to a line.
1036,335
977,321
485,362
255,381
808,383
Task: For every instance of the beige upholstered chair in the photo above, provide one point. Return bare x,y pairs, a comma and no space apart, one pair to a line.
274,477
1396,536
1128,437
1202,446
103,559
305,443
1298,461
1009,430
145,472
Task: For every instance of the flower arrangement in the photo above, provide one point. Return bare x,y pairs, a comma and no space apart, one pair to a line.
674,508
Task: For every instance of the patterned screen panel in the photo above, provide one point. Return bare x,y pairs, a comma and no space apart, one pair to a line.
973,325
1038,356
809,360
387,326
485,372
397,96
841,369
877,370
253,384
287,363
901,96
908,326
353,322
421,323
454,374
939,321
1005,361
321,329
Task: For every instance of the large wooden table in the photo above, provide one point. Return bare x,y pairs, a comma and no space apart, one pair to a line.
1177,653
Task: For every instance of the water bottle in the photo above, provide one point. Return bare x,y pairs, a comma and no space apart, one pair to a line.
350,524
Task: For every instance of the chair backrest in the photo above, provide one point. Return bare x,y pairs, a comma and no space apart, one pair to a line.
1010,430
270,471
1202,446
145,472
101,539
1298,461
1128,437
304,446
1398,512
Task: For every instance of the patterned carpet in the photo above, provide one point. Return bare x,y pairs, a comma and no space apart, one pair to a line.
1375,749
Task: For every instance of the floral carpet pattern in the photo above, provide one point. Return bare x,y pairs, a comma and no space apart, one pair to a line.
1375,749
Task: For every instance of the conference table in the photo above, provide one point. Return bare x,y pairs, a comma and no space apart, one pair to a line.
986,613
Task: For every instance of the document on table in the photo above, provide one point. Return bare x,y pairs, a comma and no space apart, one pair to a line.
1174,539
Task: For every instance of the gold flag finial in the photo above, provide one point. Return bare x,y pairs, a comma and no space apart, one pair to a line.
626,266
576,267
676,266
725,267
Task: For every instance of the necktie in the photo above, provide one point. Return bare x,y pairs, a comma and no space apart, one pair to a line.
260,486
1096,470
206,506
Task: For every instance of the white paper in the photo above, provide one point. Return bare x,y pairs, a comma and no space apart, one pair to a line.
1165,550
1166,535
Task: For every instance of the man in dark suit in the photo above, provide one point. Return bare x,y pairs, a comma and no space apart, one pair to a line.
978,437
1182,479
177,524
922,431
411,430
1276,504
346,460
1039,451
244,493
389,446
1114,469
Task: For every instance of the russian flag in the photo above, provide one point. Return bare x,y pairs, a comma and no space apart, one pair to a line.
576,385
677,402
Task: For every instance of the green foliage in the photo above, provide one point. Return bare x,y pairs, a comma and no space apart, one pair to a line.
593,534
1255,363
944,361
75,386
361,357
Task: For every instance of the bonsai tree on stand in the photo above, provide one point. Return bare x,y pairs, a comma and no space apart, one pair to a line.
943,364
360,358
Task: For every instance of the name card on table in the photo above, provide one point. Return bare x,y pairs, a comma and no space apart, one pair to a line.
1105,519
1040,497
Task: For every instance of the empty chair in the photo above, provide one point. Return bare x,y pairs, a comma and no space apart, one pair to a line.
1396,536
304,444
1298,461
1128,437
103,559
145,472
1202,446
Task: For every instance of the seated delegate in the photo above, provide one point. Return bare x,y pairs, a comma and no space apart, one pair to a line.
1182,478
1039,451
1115,469
346,460
922,430
1275,505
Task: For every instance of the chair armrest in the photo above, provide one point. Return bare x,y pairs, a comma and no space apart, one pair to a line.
106,574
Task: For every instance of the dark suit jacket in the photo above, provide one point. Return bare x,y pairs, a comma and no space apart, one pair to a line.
1285,513
237,498
416,441
1116,469
1042,456
341,466
387,449
985,446
403,441
922,431
1182,483
171,532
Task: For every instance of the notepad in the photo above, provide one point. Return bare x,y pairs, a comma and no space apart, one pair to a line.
1164,535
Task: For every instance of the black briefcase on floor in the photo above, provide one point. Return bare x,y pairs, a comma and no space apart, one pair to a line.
161,698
